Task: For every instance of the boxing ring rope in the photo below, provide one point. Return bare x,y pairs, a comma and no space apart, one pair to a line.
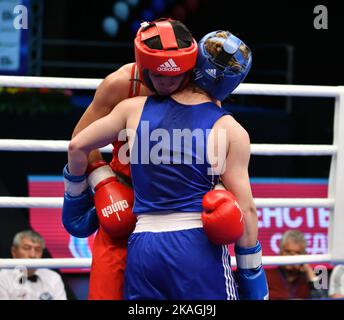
244,88
56,202
335,201
86,262
256,149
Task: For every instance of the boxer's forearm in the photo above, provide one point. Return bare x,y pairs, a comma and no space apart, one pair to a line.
98,134
249,238
77,161
92,114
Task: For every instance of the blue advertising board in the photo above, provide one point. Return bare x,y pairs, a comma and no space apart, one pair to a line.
14,36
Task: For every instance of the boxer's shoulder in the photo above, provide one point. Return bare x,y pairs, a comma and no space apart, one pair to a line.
234,129
118,80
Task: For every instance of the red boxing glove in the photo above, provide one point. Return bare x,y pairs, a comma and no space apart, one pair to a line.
113,201
222,217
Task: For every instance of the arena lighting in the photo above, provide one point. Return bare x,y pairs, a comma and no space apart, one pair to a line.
155,10
110,26
121,10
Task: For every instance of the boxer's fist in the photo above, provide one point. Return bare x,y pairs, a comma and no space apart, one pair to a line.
251,278
78,213
113,200
222,217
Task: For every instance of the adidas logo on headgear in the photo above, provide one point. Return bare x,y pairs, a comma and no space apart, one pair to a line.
169,65
211,72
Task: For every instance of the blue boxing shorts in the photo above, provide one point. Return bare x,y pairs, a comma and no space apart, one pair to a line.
170,258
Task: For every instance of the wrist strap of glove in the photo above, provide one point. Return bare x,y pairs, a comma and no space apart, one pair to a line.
100,174
74,185
220,186
248,258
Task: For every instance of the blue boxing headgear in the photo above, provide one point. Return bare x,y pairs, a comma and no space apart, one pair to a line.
214,75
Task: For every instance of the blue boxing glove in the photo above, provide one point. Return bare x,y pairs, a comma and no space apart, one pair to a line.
252,283
79,216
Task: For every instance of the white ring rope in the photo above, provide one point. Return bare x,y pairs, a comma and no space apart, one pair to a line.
294,202
49,82
244,88
31,202
256,149
57,202
293,150
39,145
287,90
47,263
86,262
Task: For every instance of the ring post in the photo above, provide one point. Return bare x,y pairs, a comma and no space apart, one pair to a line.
336,184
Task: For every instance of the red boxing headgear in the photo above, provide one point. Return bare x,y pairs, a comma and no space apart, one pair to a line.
168,61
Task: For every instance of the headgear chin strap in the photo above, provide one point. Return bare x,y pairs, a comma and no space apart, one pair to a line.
214,75
168,61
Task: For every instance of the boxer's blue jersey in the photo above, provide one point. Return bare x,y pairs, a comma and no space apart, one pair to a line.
170,174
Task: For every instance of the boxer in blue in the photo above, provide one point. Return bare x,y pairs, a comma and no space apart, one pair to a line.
171,253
